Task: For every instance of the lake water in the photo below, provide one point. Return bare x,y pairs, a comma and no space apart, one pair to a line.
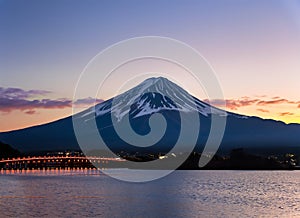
181,194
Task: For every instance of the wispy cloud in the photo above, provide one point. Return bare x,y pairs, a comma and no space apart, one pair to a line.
260,103
87,101
17,93
12,99
263,110
285,114
276,97
8,105
233,104
30,112
277,101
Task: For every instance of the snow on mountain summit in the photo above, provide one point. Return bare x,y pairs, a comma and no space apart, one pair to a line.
151,96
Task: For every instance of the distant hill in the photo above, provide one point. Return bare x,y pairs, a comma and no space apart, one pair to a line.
6,151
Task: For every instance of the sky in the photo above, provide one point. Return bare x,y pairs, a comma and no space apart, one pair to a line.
252,45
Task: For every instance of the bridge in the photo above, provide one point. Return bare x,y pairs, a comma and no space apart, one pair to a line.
59,162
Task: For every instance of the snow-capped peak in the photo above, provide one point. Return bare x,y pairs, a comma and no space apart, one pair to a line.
151,96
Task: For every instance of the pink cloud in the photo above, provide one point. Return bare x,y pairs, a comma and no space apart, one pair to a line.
17,93
263,110
276,97
233,104
30,112
8,105
277,101
286,114
12,99
245,101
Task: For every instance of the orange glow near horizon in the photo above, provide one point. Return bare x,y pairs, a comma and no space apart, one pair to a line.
18,120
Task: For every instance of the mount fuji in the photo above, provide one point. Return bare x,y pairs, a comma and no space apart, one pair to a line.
157,96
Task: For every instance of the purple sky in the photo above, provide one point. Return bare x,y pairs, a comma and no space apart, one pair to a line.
253,45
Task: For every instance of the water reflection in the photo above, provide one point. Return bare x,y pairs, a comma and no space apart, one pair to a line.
63,193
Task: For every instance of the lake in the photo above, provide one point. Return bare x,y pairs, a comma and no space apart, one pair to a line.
181,194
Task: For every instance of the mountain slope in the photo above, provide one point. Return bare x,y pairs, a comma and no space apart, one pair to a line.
157,95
